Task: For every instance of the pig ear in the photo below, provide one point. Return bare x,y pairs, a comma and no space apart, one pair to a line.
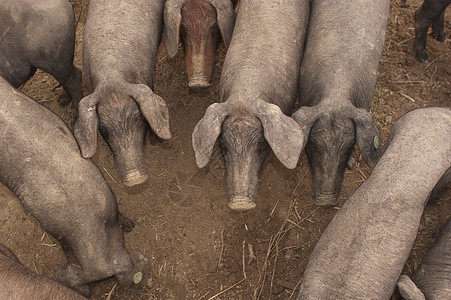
368,137
283,134
306,117
153,108
172,21
408,289
226,19
207,131
85,129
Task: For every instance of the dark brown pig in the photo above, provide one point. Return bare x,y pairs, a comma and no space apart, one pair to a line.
41,163
362,252
17,282
200,24
119,51
39,34
337,79
257,93
430,12
432,279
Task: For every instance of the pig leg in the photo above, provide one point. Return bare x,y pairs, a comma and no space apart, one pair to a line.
126,224
437,28
429,12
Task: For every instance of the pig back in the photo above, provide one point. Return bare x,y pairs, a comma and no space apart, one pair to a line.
265,52
41,163
344,44
121,39
362,252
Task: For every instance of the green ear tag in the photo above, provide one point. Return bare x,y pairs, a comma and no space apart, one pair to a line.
376,142
138,277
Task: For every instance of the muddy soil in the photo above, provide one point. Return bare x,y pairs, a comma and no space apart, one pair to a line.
198,248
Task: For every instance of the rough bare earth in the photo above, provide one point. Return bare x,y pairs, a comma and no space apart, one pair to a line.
196,245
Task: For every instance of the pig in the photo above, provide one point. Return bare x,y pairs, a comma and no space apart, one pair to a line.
257,93
336,83
432,279
40,163
362,252
200,24
430,12
39,34
17,282
120,46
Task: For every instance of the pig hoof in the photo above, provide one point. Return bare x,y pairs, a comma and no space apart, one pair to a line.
241,204
134,178
136,278
326,200
126,224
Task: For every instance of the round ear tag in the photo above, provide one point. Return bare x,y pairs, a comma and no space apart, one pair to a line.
376,142
137,277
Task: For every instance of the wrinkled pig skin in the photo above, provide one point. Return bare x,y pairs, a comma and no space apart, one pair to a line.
337,79
362,252
40,163
200,24
432,279
430,12
39,34
17,282
257,91
119,59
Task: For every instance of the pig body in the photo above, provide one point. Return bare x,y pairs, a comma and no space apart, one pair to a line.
258,91
200,24
41,163
430,12
362,252
337,79
17,282
119,60
433,277
39,34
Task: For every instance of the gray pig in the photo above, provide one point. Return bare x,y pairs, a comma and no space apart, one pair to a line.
362,252
39,34
17,282
257,92
200,24
430,12
432,279
41,163
120,46
338,75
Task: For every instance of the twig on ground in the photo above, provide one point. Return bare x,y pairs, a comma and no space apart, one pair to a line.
407,97
444,54
221,250
252,256
109,175
111,292
230,287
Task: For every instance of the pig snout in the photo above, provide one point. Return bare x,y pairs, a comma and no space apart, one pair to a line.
244,148
201,37
135,279
124,130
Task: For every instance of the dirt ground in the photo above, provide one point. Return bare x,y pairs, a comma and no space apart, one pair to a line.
198,248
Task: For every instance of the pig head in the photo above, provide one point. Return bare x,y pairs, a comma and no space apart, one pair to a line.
246,135
200,24
121,118
332,136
